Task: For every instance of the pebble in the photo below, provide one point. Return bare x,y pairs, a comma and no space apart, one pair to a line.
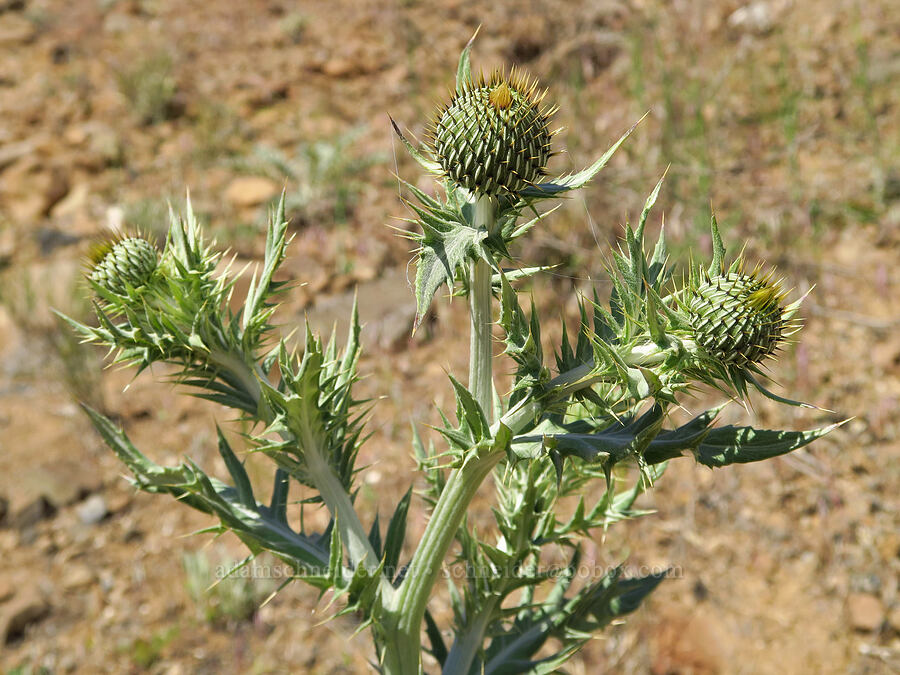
247,191
33,512
15,29
866,612
754,17
92,510
25,609
77,576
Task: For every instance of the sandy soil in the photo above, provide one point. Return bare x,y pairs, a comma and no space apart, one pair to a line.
782,114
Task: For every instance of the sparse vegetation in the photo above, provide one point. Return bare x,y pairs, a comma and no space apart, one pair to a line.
222,598
74,364
149,85
800,140
323,178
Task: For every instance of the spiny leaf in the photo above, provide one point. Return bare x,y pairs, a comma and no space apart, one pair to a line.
276,241
439,259
396,532
469,412
237,471
651,200
740,445
464,68
577,180
428,164
717,266
278,504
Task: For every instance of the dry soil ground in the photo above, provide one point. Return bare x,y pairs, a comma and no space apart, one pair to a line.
783,114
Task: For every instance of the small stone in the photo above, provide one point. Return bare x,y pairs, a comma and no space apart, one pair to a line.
15,29
73,203
247,191
104,143
35,511
92,510
77,576
866,612
23,610
340,68
755,17
383,310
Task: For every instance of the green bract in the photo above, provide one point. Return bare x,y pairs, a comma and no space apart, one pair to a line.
123,263
493,136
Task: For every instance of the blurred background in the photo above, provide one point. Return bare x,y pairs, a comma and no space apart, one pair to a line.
783,115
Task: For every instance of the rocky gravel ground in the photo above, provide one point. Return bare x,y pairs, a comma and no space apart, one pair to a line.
782,114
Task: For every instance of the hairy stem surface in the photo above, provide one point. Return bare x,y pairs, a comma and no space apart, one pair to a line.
335,496
480,373
412,596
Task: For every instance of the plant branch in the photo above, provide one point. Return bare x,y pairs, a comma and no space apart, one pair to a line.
468,643
335,496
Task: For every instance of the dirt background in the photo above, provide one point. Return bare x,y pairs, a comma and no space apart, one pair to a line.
784,115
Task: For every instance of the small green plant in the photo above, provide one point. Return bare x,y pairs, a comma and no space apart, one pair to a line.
322,177
219,596
588,425
294,25
144,652
150,87
72,363
28,669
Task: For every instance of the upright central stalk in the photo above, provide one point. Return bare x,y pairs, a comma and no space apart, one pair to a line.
406,609
480,374
411,599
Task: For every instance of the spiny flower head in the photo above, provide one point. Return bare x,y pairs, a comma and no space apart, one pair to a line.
738,318
493,135
119,263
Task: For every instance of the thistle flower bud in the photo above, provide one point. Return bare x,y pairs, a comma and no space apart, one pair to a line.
126,262
738,319
492,137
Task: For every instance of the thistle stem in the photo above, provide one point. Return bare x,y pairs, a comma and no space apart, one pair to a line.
411,599
353,536
412,596
467,644
480,373
337,500
647,354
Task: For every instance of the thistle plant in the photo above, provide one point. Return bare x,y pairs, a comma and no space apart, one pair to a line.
582,433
